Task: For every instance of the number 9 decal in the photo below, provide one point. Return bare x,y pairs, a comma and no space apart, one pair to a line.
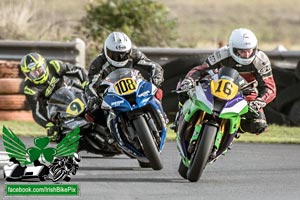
75,107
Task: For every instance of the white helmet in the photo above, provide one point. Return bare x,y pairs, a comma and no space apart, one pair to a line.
117,48
242,38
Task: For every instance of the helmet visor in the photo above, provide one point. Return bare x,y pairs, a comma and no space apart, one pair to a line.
244,53
118,56
38,71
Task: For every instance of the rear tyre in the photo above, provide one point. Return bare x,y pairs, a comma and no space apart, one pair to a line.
202,153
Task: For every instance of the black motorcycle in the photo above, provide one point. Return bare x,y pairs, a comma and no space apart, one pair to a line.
67,108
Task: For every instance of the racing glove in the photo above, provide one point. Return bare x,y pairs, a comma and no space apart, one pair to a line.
93,102
187,84
257,104
84,84
52,132
157,80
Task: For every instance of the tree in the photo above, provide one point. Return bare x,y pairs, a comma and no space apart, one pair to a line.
146,22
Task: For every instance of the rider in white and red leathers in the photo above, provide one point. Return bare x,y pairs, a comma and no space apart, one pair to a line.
252,64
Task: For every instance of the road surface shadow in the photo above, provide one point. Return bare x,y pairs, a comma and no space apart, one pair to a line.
125,180
109,168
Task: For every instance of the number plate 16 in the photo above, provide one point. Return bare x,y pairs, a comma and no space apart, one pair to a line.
224,89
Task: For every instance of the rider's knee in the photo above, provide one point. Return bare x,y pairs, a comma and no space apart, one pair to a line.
255,126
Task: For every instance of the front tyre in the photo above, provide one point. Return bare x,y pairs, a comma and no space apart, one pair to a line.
182,170
147,143
202,153
144,164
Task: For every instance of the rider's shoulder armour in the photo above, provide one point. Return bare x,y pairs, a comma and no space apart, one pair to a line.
218,55
262,63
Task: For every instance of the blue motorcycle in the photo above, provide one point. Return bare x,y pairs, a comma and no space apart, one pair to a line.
135,117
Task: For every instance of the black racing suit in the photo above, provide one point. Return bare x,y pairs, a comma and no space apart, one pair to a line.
38,94
100,68
259,71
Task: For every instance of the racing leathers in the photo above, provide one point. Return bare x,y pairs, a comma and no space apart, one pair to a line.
38,94
259,72
100,68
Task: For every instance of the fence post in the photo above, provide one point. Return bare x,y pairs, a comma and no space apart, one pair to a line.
80,58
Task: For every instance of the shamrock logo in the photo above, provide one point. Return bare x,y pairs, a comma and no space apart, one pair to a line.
40,149
17,149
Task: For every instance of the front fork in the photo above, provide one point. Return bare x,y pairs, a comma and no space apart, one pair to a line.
228,127
189,148
197,135
218,148
184,148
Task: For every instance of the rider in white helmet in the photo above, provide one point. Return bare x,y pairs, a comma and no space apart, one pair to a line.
118,52
117,49
243,46
253,64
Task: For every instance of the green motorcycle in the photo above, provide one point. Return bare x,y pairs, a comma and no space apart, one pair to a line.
209,121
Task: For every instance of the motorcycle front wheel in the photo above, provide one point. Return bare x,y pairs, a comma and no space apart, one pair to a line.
147,142
202,153
182,170
144,164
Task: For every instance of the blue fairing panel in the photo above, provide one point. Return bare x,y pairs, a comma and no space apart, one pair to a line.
117,102
144,94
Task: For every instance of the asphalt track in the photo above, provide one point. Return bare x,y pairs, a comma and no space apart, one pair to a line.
247,172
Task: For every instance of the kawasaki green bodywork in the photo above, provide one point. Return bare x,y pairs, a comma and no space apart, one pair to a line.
201,100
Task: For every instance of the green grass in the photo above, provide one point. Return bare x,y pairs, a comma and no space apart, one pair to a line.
23,128
274,134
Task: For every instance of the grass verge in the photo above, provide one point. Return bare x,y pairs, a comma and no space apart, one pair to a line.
23,128
274,134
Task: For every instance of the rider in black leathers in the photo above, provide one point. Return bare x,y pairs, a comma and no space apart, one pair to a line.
118,52
42,79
